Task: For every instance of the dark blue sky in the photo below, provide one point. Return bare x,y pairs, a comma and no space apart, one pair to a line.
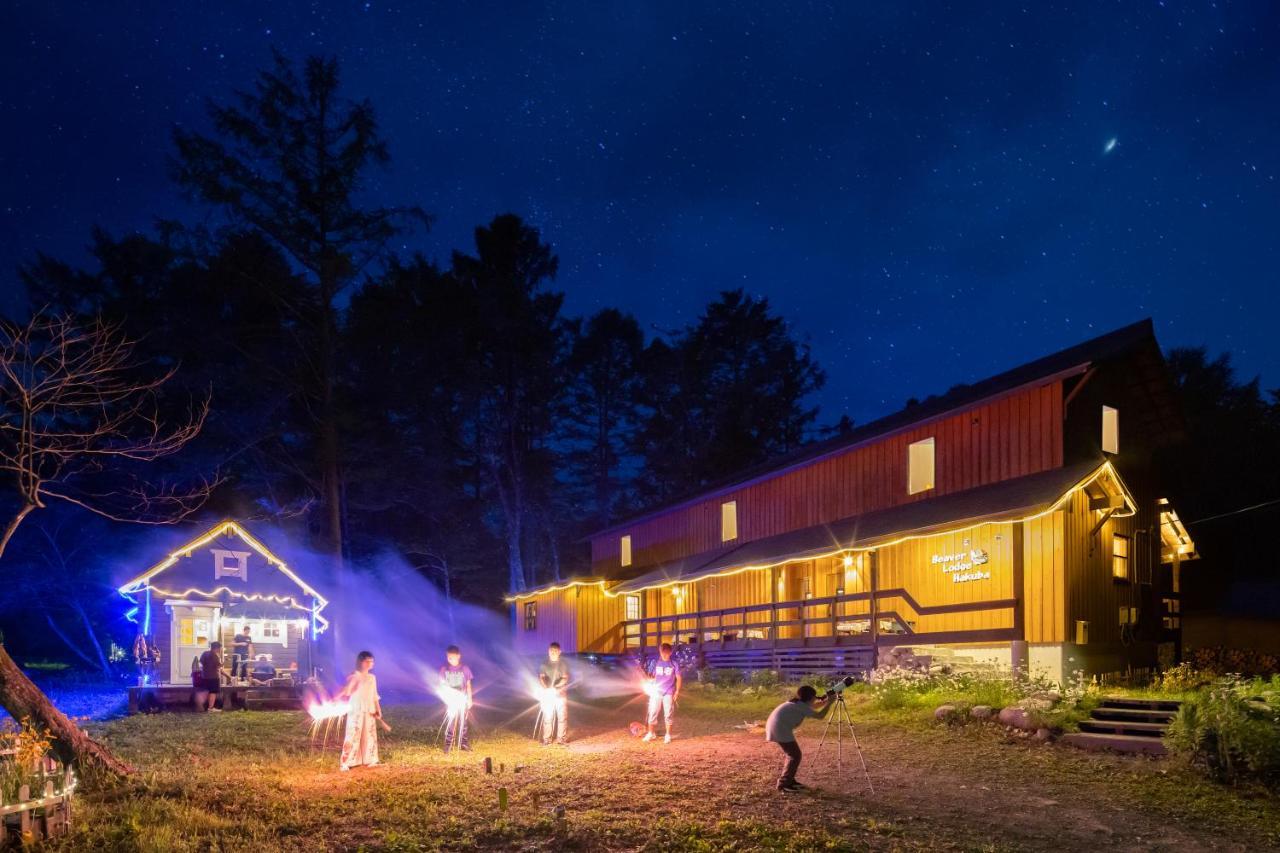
929,193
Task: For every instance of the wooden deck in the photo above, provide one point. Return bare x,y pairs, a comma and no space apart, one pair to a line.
182,697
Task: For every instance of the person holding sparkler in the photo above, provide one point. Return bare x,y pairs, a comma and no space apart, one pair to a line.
663,687
455,684
553,676
364,715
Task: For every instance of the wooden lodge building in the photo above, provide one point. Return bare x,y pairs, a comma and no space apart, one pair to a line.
1019,520
213,586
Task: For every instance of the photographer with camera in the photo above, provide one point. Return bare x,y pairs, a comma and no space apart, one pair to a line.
782,725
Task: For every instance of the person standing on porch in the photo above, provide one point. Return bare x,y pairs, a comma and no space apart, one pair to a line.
360,741
241,653
664,692
211,675
781,729
554,674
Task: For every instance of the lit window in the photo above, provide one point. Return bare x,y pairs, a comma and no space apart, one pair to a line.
1120,557
625,545
920,466
531,615
728,521
633,607
1110,430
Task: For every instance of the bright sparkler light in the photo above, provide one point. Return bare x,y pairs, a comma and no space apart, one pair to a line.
321,711
546,697
455,701
652,689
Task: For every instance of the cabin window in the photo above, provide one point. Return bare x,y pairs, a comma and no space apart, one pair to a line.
274,632
633,607
728,521
531,615
1110,429
1120,557
920,456
624,546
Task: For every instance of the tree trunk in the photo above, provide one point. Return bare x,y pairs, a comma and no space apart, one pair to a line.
22,699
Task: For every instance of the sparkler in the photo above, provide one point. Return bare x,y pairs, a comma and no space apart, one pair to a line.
325,716
455,705
546,698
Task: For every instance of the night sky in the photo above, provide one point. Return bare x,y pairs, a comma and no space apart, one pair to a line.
929,196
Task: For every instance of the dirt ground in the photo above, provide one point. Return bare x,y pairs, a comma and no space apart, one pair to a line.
256,781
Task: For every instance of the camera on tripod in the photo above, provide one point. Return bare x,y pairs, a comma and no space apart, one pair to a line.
838,688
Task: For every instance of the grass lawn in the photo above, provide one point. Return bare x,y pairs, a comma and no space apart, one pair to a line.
257,781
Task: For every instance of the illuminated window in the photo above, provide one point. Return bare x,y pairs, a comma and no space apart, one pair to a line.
920,466
633,607
625,546
1110,430
531,615
1120,557
728,521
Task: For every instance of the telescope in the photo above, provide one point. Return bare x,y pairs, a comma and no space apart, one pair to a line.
840,685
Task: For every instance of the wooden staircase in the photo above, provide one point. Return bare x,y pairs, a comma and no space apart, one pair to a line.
1122,724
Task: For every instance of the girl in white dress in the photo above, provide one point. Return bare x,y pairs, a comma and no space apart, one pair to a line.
360,745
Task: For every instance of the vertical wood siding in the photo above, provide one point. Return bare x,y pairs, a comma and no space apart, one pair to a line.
1009,437
1044,549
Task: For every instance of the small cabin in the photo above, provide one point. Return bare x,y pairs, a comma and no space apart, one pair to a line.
1021,521
214,587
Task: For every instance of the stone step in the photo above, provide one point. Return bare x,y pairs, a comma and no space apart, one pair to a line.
1137,715
1123,727
1095,742
1140,704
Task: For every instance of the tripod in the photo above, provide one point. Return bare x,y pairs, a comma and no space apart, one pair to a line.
841,719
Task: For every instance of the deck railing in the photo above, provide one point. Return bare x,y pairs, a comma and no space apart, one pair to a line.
845,619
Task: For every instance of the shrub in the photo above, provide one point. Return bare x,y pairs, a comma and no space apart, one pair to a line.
721,677
1232,729
765,679
1185,677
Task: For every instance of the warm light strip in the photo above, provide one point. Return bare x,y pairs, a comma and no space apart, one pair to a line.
288,601
550,589
1104,468
229,527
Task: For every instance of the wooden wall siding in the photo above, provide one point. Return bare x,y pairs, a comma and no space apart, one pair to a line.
1044,579
599,628
557,620
1091,592
1010,437
909,566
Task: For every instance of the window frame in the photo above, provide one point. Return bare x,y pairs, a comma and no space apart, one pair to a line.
531,615
728,521
1110,430
915,457
624,550
1126,558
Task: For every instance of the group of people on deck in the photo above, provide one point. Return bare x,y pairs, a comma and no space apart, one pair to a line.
662,683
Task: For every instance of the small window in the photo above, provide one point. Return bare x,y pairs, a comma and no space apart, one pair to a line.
920,466
633,607
625,549
728,521
1120,557
1110,430
531,615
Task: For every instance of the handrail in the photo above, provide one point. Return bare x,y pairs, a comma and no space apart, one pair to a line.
922,610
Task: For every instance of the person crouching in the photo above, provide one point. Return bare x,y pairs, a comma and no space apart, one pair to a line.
781,729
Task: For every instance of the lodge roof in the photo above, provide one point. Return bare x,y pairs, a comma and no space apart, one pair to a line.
1137,337
1018,498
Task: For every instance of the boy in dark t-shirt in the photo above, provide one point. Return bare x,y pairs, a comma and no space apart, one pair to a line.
456,676
554,675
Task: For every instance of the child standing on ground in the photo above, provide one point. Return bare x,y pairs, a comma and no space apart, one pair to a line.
781,729
360,744
664,692
554,675
456,675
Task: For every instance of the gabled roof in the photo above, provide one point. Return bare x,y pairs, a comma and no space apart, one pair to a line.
228,528
1011,500
1072,361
